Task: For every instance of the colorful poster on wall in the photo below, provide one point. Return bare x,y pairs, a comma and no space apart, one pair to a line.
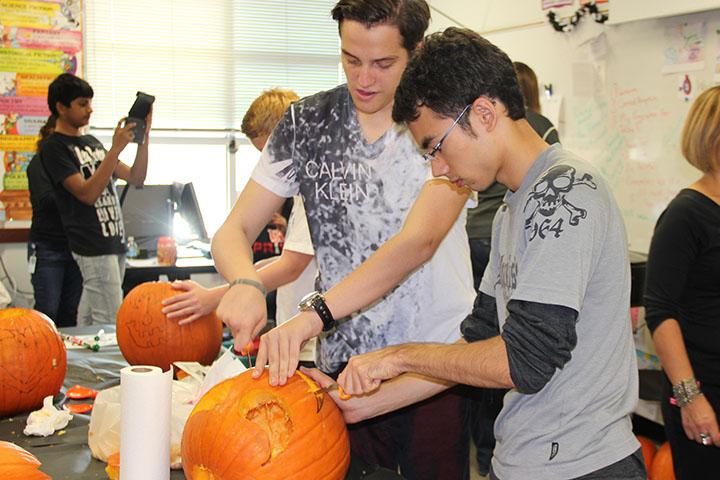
684,47
38,41
548,4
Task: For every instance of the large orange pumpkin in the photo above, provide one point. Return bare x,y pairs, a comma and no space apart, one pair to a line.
245,429
648,450
33,360
18,464
662,465
147,337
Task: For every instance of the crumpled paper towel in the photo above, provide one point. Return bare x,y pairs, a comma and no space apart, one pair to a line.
47,420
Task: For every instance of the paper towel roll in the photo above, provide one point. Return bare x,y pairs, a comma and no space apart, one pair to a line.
146,398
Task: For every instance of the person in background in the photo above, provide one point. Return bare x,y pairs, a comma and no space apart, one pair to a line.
390,242
293,272
54,274
82,174
531,96
551,319
682,299
487,403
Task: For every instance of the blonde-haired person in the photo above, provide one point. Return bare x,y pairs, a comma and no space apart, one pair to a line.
264,113
682,298
293,272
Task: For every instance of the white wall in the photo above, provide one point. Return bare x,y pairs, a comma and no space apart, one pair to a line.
14,258
520,28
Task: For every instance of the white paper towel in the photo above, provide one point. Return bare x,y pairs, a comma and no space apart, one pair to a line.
146,399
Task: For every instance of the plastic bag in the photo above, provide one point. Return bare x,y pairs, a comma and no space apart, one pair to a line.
104,431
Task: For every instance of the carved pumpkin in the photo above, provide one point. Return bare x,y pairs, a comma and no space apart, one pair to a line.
113,466
147,337
245,429
33,360
648,450
662,465
18,464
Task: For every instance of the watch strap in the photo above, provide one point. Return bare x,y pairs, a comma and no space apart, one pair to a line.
318,304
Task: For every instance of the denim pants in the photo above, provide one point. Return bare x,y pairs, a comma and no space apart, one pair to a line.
56,281
102,287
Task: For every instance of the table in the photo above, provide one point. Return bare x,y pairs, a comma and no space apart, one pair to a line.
68,457
139,271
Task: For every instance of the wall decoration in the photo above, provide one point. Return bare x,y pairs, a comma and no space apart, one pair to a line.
38,41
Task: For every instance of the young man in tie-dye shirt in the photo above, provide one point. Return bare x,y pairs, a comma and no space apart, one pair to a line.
389,239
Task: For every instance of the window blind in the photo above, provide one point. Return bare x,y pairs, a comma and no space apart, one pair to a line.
205,61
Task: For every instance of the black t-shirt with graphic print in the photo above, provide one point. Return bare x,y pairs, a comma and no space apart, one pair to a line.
91,229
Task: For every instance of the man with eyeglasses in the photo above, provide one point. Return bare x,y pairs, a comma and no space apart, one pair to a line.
389,240
551,319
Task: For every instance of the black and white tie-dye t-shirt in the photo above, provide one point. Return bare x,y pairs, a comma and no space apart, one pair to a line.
357,196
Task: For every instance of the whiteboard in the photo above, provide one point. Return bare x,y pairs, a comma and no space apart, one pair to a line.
630,10
620,111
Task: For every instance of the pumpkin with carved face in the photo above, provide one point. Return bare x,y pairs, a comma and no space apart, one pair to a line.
147,337
18,464
33,360
245,429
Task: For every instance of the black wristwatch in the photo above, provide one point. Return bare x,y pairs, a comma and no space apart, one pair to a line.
315,301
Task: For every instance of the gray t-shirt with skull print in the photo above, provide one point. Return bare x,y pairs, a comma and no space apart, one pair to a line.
560,239
357,196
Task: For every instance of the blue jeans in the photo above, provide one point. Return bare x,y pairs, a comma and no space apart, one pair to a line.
102,287
56,281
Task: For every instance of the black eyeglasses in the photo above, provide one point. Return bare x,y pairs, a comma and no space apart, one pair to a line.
428,156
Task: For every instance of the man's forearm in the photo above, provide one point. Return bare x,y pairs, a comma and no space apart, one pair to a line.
232,254
394,394
283,270
431,217
138,171
481,364
379,274
89,190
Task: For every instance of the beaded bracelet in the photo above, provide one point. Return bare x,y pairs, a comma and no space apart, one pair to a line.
685,391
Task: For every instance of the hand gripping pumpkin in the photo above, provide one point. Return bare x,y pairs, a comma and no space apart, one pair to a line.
245,429
147,337
18,464
33,360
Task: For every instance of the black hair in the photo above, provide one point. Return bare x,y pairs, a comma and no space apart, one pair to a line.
450,71
412,17
46,130
65,88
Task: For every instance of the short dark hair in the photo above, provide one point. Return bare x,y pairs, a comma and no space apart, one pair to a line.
66,88
412,17
451,70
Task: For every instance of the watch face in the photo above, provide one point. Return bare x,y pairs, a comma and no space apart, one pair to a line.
307,301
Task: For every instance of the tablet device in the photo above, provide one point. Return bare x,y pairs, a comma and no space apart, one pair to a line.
138,113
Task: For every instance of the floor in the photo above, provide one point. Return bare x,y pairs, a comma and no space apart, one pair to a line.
474,474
